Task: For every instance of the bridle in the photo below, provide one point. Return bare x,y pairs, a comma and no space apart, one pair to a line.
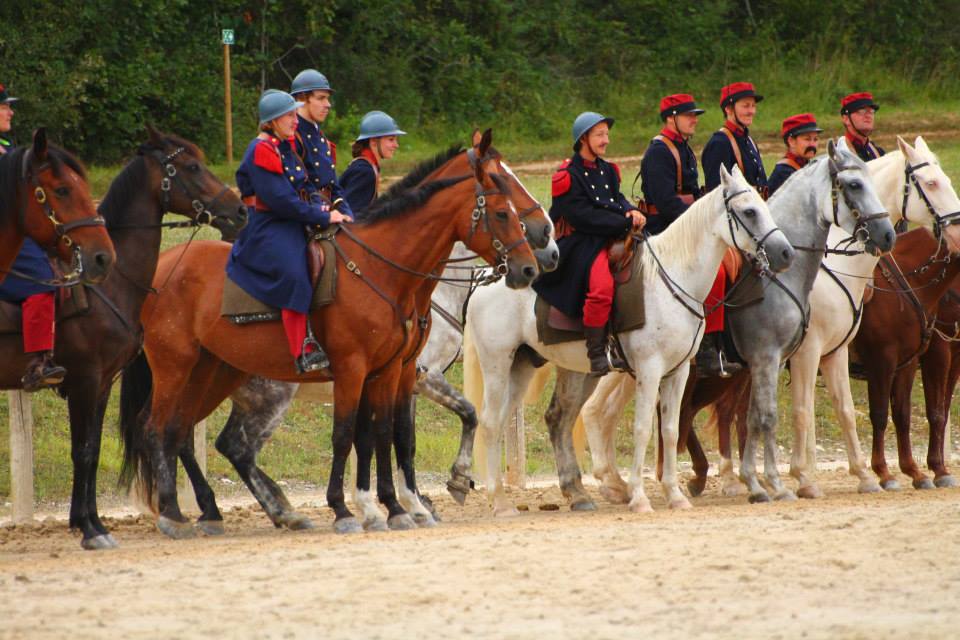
480,215
204,215
910,176
860,233
734,221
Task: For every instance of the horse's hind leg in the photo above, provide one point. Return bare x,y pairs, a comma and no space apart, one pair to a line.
405,444
211,520
900,402
571,390
803,461
601,416
364,442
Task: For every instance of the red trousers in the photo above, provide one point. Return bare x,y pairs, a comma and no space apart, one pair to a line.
38,322
714,320
599,302
295,326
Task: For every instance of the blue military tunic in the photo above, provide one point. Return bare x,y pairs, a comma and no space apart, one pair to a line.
867,151
359,183
785,168
320,157
587,201
719,151
658,172
269,258
32,261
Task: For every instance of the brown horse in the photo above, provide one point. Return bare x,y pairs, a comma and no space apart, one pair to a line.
96,344
44,195
198,359
896,330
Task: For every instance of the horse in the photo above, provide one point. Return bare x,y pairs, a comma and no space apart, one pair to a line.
896,329
835,310
197,358
831,195
167,174
678,268
60,216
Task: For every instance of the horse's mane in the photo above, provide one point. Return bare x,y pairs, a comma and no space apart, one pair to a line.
418,173
10,167
681,240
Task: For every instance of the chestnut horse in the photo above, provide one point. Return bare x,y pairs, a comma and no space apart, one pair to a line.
197,358
44,195
95,345
897,326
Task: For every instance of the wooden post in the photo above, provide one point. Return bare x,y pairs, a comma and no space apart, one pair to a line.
227,102
21,455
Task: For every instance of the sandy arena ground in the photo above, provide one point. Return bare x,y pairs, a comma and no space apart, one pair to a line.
848,566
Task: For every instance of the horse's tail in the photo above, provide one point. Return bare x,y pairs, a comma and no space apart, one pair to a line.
136,388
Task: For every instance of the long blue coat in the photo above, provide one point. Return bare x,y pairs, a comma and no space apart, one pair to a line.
320,156
359,183
269,258
33,261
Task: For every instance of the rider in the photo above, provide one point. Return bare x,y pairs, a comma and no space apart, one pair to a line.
269,258
590,212
319,154
732,143
378,140
801,135
36,299
857,112
667,197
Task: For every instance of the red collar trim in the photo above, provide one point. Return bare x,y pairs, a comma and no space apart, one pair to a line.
734,128
672,135
371,157
589,164
857,141
800,160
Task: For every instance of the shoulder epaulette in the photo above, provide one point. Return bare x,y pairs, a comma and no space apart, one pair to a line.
560,183
267,156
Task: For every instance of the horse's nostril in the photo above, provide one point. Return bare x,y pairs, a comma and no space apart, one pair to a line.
529,272
102,259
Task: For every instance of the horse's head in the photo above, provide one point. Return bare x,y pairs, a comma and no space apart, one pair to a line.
928,194
58,211
183,184
856,206
750,224
536,223
496,233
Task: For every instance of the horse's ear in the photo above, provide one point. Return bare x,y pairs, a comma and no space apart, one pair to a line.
832,152
40,144
905,148
156,138
921,145
724,176
485,141
475,137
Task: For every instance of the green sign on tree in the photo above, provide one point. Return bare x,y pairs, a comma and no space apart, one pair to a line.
227,36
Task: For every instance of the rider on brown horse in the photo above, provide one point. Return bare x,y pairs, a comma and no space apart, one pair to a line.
589,212
36,299
269,258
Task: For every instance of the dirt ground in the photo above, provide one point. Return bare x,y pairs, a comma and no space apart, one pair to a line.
847,566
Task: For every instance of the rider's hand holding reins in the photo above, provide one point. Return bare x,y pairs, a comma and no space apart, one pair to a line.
639,220
336,217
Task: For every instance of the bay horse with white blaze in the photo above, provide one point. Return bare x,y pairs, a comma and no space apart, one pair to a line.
197,358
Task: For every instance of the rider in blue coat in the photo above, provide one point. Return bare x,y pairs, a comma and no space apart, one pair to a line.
269,258
732,143
36,299
319,153
377,141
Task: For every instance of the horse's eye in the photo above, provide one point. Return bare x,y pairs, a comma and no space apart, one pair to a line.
856,185
932,184
62,192
193,167
502,216
750,213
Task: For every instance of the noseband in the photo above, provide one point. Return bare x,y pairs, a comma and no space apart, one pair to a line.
860,233
733,219
942,221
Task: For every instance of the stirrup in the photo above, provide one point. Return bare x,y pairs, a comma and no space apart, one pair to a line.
727,368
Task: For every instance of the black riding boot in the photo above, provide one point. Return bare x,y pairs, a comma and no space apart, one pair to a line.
42,372
711,361
313,361
597,350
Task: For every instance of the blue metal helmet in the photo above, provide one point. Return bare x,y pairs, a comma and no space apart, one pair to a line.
310,80
376,124
586,121
274,103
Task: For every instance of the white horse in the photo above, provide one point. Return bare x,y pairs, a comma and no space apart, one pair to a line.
678,268
837,299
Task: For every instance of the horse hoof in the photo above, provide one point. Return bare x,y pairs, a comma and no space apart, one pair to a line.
810,492
458,491
211,527
614,495
424,520
890,485
869,485
786,496
584,504
680,503
429,506
759,497
401,522
641,506
374,524
299,522
946,482
348,524
923,483
696,486
176,530
98,543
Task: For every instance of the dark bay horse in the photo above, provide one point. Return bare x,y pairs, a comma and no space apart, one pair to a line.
197,359
44,195
896,329
168,174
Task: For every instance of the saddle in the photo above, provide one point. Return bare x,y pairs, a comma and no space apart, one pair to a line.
70,301
239,307
556,327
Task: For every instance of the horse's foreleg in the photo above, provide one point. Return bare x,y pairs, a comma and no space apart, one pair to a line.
382,399
762,421
345,408
571,390
405,443
935,367
364,441
671,397
879,384
645,398
901,404
601,417
803,458
434,386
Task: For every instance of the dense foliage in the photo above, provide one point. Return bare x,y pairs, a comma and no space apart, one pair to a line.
93,71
